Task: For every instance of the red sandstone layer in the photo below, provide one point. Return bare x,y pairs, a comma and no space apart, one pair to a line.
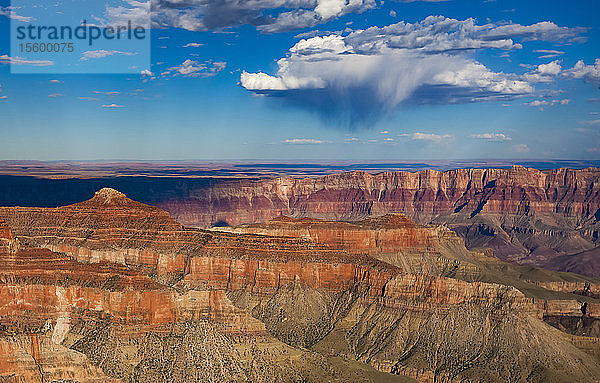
111,268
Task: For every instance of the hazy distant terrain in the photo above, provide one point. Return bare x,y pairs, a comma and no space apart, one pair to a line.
255,169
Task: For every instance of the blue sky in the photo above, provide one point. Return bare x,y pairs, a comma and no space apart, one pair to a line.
319,80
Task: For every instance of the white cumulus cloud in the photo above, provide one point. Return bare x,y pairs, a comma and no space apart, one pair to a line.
193,68
543,103
589,73
373,71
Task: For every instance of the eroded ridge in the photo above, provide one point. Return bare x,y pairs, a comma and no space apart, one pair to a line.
113,290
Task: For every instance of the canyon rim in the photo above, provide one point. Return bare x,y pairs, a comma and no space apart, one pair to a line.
299,191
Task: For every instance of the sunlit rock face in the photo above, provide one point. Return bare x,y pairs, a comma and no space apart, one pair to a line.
525,215
114,290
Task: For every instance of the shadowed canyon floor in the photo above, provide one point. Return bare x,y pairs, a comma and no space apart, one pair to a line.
110,289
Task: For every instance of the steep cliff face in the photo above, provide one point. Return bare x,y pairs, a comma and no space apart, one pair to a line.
423,300
48,299
420,195
110,316
526,215
390,233
108,228
118,290
65,320
392,238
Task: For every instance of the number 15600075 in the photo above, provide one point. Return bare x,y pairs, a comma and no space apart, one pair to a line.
46,47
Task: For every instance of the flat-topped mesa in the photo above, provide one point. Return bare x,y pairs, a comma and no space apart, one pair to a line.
391,233
394,239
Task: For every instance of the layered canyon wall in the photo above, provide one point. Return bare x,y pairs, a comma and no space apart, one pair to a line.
530,217
119,290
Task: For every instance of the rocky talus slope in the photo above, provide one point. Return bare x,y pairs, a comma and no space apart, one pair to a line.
113,290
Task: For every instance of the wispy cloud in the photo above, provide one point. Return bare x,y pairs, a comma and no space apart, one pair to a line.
431,137
5,59
548,53
193,45
97,54
113,106
491,136
55,95
108,93
544,103
302,141
521,148
12,14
